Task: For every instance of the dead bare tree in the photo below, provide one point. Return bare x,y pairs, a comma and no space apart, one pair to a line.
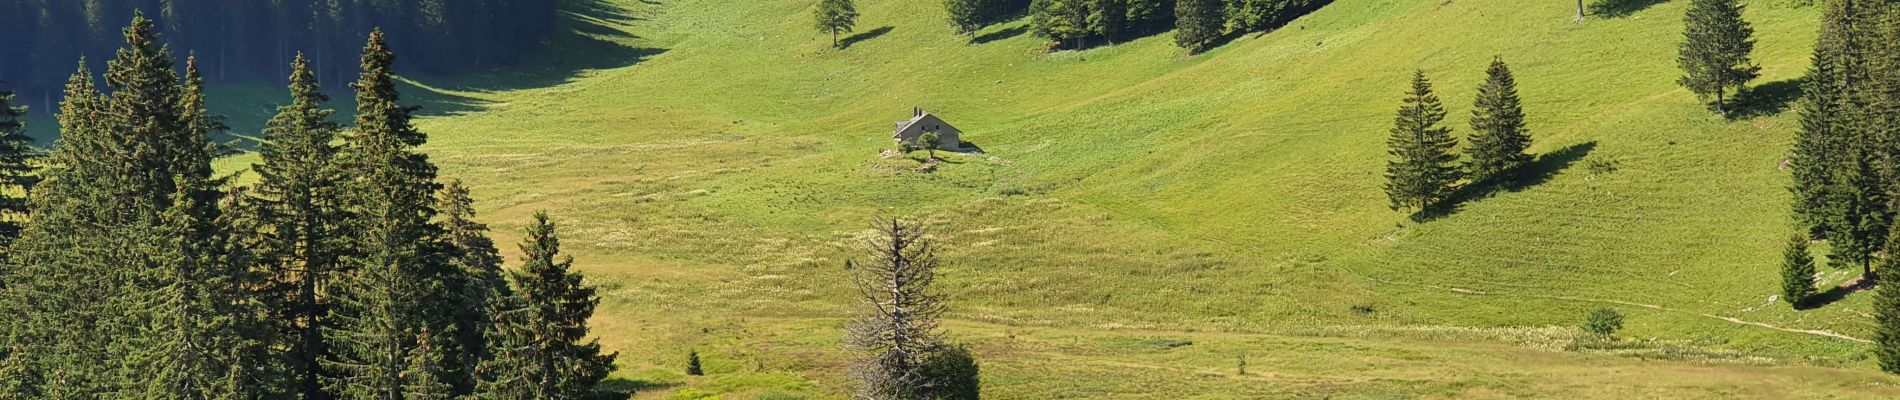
897,329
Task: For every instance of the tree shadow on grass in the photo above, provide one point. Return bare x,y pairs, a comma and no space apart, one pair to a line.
1001,34
622,388
1538,172
1837,293
1765,100
863,36
1621,8
588,36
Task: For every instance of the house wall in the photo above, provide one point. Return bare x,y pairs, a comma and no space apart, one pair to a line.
952,138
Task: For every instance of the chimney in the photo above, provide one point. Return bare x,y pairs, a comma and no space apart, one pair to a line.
917,111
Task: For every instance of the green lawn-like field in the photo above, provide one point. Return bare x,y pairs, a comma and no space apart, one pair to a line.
1141,220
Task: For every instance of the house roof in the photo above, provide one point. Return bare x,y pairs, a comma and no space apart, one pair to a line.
906,124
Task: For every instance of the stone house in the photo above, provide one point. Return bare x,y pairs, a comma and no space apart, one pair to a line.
920,122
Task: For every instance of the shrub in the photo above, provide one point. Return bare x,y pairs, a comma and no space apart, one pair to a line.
1603,322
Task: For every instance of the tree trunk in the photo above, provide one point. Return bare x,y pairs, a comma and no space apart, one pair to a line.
834,38
1720,108
1579,10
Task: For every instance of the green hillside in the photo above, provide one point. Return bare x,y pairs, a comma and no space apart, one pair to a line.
1141,219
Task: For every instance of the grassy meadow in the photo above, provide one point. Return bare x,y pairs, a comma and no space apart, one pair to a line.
1141,220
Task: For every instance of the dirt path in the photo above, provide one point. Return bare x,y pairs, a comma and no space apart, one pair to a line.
1733,320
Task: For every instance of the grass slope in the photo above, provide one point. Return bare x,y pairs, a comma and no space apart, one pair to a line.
1143,219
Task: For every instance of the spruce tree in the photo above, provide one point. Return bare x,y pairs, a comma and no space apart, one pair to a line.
1063,21
49,290
193,333
692,364
17,175
897,329
1826,114
541,345
1498,136
835,16
1715,51
1107,18
1858,219
1887,327
1198,23
1421,173
199,339
299,217
398,262
479,281
965,15
108,303
1797,272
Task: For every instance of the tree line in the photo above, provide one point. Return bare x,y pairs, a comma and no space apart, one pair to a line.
1198,24
346,271
1075,24
254,40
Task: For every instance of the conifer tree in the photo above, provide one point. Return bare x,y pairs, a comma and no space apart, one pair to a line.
1498,136
1826,115
1716,48
1198,23
1858,221
400,272
541,345
897,328
1887,327
193,339
1421,173
835,16
107,304
692,364
479,281
1107,18
198,341
965,15
17,175
49,289
1797,272
1063,21
298,210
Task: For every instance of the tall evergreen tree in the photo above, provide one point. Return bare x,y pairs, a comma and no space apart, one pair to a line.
478,283
835,16
196,340
1827,114
1858,221
1715,51
1887,327
1063,21
1421,173
897,329
298,210
965,15
124,160
541,345
17,175
398,262
52,296
1498,137
1198,23
1797,272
